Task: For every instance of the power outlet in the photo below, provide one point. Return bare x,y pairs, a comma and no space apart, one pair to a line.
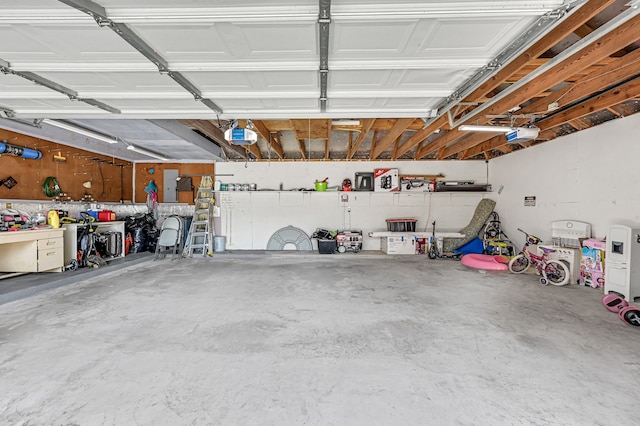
344,198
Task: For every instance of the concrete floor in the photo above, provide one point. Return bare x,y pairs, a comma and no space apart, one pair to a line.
351,339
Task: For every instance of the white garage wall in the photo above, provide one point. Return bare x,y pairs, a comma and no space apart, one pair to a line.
591,176
250,218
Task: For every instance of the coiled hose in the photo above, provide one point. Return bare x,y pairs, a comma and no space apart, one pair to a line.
51,187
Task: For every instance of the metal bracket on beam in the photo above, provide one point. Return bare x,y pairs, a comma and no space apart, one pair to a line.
7,113
324,20
458,107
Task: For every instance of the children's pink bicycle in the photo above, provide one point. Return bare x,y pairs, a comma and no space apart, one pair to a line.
550,271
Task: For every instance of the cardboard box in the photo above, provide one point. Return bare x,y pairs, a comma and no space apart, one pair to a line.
414,184
386,180
402,244
595,243
422,245
591,259
592,278
592,264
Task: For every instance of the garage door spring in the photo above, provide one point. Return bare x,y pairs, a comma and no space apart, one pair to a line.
51,187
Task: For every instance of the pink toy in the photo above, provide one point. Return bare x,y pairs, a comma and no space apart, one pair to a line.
614,302
485,261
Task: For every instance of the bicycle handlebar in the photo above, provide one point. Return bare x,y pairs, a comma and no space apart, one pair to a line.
529,236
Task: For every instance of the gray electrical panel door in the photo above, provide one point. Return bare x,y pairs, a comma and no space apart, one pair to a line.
170,186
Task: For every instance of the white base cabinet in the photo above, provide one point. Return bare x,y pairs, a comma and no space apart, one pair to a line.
32,251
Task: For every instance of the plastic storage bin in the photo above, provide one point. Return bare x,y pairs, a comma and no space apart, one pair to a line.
401,225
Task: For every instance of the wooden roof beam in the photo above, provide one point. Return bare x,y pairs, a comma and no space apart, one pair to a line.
366,126
562,30
394,155
619,70
301,148
272,138
469,142
600,102
212,131
421,135
400,126
374,140
255,150
311,128
591,53
571,116
496,142
441,142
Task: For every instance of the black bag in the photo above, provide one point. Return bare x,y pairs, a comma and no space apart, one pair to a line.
109,244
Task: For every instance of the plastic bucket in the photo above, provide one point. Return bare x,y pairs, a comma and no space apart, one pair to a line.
321,186
219,243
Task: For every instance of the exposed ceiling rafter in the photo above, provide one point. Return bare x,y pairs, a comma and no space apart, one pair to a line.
366,126
614,35
398,128
602,101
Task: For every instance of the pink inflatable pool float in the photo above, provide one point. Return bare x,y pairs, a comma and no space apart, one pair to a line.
485,261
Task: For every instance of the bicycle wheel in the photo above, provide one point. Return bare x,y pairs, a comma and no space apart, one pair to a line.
556,272
519,264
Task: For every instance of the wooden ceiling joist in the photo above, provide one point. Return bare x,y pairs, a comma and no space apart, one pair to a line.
439,143
589,54
255,150
374,141
562,30
212,131
394,154
469,142
301,148
421,135
311,128
572,116
602,101
270,137
366,126
398,128
612,73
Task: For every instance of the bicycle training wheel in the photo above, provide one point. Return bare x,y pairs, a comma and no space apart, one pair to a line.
519,264
557,272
